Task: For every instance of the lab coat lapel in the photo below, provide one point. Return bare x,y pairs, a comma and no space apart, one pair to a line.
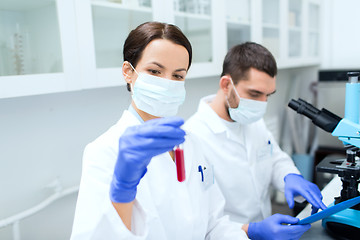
216,124
236,134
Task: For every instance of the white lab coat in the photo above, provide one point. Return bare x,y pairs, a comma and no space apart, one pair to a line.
163,208
246,159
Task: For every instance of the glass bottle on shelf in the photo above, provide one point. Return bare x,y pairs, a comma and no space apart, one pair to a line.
112,21
29,38
238,22
193,17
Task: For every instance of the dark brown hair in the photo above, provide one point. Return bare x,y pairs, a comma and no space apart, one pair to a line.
141,36
242,57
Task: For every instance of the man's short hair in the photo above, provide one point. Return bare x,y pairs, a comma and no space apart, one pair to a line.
242,57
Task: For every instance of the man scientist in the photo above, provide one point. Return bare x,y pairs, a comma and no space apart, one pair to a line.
245,156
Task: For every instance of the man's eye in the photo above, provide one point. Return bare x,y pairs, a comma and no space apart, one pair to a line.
254,95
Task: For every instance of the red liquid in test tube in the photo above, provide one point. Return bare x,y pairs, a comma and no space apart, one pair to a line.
180,164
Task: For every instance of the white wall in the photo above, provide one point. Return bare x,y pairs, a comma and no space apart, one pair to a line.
42,138
340,42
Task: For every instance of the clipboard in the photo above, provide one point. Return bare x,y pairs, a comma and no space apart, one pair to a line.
330,211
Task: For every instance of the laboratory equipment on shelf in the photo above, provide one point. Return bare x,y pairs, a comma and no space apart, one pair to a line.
347,222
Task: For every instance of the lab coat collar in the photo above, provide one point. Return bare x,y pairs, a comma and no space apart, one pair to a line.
133,111
218,125
130,118
211,118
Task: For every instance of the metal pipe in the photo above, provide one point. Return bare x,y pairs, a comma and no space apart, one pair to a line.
31,211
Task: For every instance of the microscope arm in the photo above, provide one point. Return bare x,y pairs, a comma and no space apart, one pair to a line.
348,132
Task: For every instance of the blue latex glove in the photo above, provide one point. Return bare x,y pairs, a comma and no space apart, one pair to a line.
137,146
296,185
272,228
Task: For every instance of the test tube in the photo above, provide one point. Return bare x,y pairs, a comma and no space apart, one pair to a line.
180,164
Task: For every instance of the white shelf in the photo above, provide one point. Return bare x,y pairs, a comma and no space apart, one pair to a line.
114,5
294,63
107,78
192,15
238,22
16,86
317,31
270,26
295,29
238,10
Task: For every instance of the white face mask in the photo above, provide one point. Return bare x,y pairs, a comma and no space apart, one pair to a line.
248,111
157,96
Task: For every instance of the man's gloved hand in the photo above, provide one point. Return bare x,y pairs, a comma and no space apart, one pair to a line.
296,185
272,228
137,146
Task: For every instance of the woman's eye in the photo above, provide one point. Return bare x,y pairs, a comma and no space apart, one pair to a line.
180,77
153,71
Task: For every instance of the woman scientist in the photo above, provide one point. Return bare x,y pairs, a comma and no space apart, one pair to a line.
129,188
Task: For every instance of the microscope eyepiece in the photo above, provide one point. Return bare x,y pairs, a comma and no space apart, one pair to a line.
304,108
321,118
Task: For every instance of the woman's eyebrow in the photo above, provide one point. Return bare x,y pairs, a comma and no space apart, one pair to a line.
162,67
158,64
180,69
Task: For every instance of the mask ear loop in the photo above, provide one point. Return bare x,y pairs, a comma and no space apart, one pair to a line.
131,85
133,68
237,94
227,100
131,89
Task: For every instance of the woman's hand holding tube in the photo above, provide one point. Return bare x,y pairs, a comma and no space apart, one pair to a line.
137,146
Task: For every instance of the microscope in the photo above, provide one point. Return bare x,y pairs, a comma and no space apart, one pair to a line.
345,224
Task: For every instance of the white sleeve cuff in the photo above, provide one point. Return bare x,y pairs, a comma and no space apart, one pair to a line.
139,226
112,227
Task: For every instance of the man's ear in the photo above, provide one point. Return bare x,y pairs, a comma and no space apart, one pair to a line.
225,84
127,72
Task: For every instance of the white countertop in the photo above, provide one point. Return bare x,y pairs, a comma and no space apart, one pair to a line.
329,192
